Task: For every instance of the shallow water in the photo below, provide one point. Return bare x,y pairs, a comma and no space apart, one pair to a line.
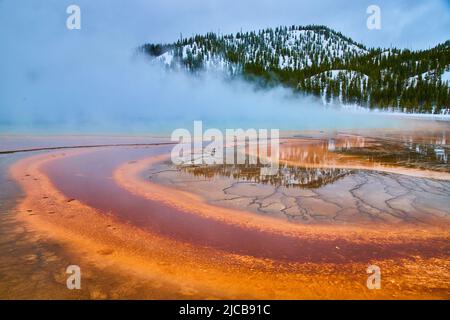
88,178
414,149
356,198
289,176
301,157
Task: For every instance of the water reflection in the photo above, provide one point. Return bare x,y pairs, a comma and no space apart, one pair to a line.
288,176
426,150
314,152
317,160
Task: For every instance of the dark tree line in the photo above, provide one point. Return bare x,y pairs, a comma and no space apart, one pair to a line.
321,61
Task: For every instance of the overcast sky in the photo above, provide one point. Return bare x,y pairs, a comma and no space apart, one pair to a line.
405,23
51,75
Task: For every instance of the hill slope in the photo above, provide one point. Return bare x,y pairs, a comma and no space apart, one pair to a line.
321,61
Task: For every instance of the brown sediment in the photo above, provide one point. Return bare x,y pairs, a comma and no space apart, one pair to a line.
334,258
184,217
129,176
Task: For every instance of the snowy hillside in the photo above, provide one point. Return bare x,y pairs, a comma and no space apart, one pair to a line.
292,48
323,62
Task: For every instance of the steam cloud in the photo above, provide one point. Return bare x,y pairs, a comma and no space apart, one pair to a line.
89,81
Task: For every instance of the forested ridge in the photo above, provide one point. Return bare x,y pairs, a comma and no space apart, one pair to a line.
320,61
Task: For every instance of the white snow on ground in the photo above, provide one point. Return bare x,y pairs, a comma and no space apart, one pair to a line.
335,74
304,46
388,53
166,58
443,116
446,76
430,75
348,73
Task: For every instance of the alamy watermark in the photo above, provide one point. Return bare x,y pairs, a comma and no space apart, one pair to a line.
374,18
234,146
73,21
374,280
74,280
